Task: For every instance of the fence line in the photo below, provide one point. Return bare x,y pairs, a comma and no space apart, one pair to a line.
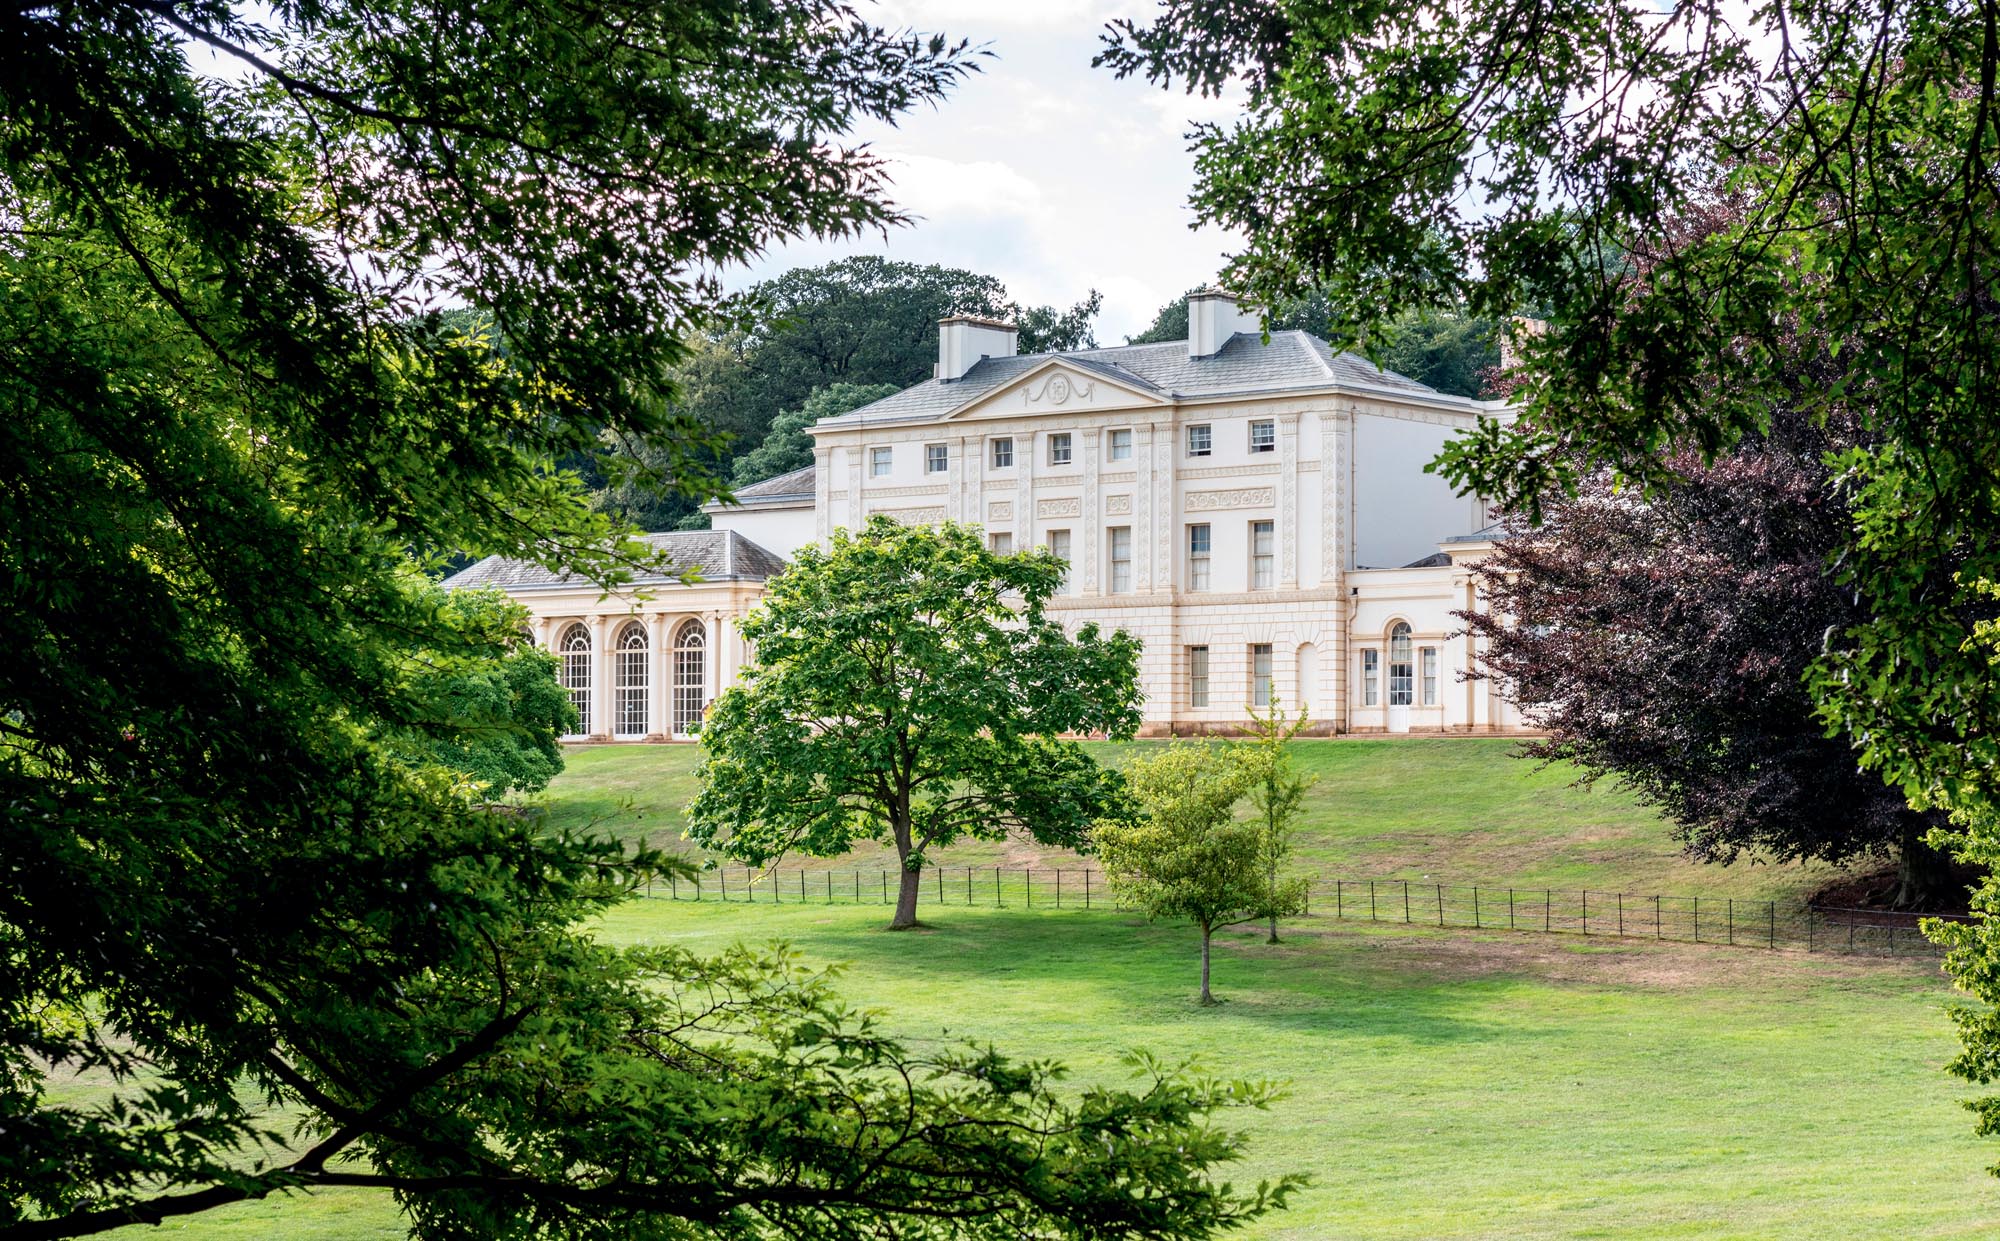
1726,921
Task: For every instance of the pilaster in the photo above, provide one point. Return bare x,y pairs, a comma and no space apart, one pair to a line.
601,695
659,670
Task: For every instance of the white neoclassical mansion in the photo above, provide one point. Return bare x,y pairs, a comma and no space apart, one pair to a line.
1256,512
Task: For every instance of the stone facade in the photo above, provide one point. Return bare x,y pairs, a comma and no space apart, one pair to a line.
1254,511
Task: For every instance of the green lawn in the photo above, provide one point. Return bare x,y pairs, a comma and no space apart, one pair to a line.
1441,1084
1446,810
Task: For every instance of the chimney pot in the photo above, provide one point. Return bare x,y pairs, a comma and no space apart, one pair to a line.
1213,317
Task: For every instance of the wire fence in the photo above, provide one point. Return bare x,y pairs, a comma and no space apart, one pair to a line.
1728,921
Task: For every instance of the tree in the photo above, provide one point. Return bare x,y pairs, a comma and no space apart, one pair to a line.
786,446
861,321
1497,155
1277,789
910,688
237,439
493,718
1664,641
1184,855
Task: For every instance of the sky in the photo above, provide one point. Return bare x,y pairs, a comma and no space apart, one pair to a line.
1042,171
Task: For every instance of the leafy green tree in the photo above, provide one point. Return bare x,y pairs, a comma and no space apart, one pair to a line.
492,717
299,958
909,688
786,446
1184,854
1277,788
1494,155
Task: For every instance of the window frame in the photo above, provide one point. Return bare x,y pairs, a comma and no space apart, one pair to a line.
1068,547
1197,676
1371,677
1200,560
1000,542
937,458
1118,569
1264,683
1402,655
1003,447
1269,427
1207,436
1264,564
881,460
1063,442
1427,674
1112,444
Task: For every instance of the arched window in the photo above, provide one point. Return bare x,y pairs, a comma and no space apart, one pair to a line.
1402,677
574,648
632,677
690,676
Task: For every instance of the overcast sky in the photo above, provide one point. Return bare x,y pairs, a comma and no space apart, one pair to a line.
1042,171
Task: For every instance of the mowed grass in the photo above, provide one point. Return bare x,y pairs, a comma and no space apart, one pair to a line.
1441,810
1440,1084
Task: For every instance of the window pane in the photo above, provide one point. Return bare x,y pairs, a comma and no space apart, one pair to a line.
1371,677
1121,445
1059,448
1003,454
1121,559
1260,675
1059,547
1263,563
575,646
1199,546
879,460
1263,436
935,458
1430,663
1198,441
1400,673
1198,676
1002,543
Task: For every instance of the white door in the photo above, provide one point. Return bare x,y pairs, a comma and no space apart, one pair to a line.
1402,679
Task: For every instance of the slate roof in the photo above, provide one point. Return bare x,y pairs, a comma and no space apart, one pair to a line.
1488,534
716,555
785,488
1245,364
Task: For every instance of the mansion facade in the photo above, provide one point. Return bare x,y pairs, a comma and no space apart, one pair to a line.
1255,511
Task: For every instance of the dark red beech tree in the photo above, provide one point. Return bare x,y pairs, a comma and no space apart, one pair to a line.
1664,641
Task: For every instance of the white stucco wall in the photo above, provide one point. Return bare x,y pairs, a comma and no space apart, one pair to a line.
780,530
1400,512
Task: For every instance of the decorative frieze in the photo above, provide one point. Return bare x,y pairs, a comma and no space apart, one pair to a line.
1117,504
927,516
1059,506
999,510
1242,497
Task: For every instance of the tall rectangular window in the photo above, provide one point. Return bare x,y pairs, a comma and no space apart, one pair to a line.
1003,453
1263,436
1263,554
936,458
1198,549
1430,667
879,461
1059,548
1200,440
1371,678
1120,540
1002,542
1119,446
1197,676
1260,675
1059,448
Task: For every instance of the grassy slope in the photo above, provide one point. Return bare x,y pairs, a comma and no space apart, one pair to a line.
1450,810
1442,1085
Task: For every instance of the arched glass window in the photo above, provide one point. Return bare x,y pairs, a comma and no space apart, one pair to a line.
1402,676
633,677
690,676
574,649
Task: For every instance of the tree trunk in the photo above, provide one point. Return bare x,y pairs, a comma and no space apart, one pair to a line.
1923,875
909,887
1274,925
1206,998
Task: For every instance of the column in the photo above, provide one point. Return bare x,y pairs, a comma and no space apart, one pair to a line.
711,673
1025,449
1288,501
727,645
601,696
1093,512
822,507
539,627
659,671
1142,510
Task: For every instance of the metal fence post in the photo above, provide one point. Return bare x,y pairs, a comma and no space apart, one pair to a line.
1732,919
1440,900
725,881
1339,902
1028,880
998,903
1510,909
1657,932
968,886
1058,887
1586,911
1086,887
1697,919
1406,900
1475,906
1771,911
1621,915
1371,901
1548,903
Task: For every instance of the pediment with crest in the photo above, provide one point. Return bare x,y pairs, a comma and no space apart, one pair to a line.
1058,387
